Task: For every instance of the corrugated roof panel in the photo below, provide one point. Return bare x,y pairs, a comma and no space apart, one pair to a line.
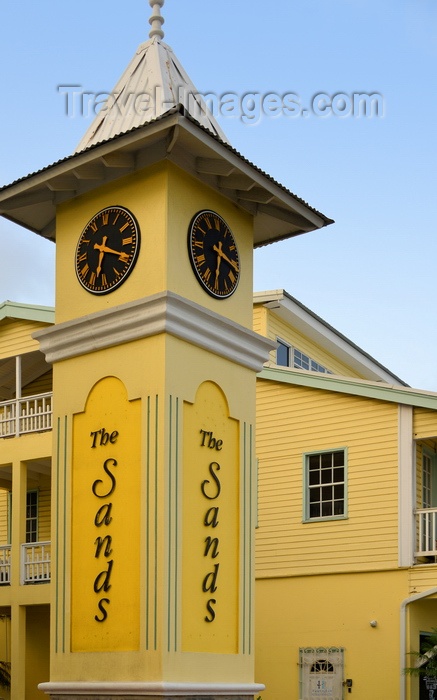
153,82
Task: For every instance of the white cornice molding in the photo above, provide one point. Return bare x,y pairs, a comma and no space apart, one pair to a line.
141,690
161,313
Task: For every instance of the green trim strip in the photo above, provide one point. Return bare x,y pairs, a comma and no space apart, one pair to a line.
64,583
57,539
356,387
147,519
177,528
155,612
169,513
244,519
27,312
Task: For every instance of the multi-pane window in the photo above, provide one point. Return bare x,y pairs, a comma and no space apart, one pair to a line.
287,356
32,516
302,361
325,485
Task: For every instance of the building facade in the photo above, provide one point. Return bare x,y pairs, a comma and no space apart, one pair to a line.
346,540
25,497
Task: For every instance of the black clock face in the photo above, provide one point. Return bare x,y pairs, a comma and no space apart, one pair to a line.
107,250
213,254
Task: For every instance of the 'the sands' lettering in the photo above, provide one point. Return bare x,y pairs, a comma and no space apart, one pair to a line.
103,489
211,490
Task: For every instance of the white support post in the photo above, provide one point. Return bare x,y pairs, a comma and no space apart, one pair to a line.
17,393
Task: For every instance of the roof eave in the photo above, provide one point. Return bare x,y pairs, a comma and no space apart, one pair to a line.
310,324
278,214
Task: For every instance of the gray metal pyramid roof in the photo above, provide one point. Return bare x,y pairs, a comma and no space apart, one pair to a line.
153,82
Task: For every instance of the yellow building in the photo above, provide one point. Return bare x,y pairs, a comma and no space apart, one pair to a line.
154,361
25,497
346,539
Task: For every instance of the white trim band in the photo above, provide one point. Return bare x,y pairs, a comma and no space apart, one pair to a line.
161,313
151,689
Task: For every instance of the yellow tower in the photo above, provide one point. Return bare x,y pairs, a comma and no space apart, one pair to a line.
155,218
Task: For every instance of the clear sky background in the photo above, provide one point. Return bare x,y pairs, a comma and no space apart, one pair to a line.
371,274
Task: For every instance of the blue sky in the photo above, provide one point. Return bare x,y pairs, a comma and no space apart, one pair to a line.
370,275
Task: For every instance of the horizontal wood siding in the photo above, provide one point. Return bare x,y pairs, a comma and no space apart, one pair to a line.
44,531
259,320
278,329
292,421
422,578
17,337
4,500
424,423
41,385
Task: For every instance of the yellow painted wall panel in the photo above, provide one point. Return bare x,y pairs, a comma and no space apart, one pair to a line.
325,612
44,504
368,430
16,337
4,498
41,385
424,423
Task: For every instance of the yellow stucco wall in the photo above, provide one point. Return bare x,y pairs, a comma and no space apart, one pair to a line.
153,372
37,649
327,611
164,200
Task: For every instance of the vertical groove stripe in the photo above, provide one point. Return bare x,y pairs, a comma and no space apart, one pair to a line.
244,522
155,612
57,538
176,571
251,539
169,608
65,535
147,520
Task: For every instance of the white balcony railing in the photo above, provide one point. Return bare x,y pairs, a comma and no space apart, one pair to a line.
35,562
31,414
426,532
5,564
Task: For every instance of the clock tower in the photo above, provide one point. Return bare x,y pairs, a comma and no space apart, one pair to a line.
155,217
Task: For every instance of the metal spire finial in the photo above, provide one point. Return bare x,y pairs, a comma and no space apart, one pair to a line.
156,19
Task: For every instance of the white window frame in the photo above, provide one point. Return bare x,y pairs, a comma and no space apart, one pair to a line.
297,359
307,487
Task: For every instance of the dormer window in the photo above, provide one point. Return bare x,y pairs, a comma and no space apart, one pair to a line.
288,356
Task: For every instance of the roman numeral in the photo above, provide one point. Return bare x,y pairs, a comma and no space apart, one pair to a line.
105,218
127,241
93,226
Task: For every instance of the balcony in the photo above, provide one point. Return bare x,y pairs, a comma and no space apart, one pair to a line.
35,563
30,414
426,529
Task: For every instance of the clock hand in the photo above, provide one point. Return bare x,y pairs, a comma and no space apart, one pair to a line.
101,254
217,271
104,249
225,257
